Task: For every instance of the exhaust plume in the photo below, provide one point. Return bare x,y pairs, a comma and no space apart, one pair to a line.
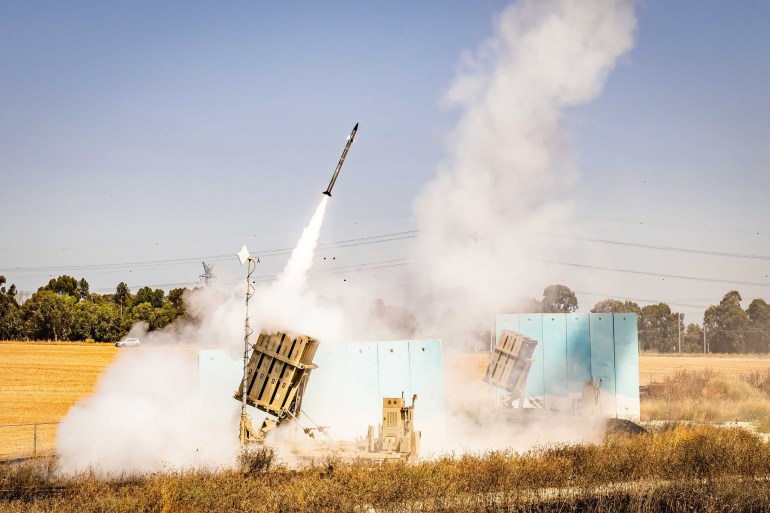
294,274
149,412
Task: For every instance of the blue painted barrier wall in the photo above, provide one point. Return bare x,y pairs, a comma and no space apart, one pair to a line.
362,373
345,392
573,348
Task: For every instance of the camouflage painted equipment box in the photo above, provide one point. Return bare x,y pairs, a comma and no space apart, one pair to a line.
509,363
277,373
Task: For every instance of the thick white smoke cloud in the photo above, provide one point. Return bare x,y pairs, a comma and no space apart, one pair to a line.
508,169
149,412
149,415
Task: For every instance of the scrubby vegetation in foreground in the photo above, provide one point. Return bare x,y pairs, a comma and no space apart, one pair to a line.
709,396
674,469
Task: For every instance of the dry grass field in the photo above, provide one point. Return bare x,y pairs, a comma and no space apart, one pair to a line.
656,367
671,469
39,381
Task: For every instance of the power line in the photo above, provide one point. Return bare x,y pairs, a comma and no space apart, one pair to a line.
401,262
375,239
368,266
360,241
381,217
663,248
642,222
386,264
659,275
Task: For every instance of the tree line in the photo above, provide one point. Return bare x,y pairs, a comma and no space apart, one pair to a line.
65,309
728,327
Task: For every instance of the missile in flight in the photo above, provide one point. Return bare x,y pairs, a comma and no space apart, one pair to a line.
352,136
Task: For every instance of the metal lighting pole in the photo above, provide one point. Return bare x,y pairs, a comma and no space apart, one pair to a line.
244,257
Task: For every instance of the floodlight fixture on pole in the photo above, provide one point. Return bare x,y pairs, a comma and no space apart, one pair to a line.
245,258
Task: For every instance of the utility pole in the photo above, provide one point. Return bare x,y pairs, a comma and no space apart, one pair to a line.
679,329
705,350
208,274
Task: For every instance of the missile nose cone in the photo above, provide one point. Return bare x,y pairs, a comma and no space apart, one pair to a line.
355,127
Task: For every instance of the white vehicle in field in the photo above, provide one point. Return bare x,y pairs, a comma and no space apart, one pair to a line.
129,342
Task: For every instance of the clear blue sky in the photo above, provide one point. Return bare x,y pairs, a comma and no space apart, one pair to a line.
144,131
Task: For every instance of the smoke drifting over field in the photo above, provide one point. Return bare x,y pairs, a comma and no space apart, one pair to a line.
149,413
507,171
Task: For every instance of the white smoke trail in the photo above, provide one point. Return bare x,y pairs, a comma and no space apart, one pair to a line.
508,169
287,304
294,274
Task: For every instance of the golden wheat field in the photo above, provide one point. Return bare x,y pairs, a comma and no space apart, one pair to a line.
40,381
656,367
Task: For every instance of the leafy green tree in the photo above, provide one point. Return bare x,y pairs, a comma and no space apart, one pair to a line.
176,297
692,339
147,295
159,298
162,317
142,312
11,325
83,289
63,285
122,296
84,321
616,306
48,315
758,332
659,328
109,325
65,309
559,299
726,324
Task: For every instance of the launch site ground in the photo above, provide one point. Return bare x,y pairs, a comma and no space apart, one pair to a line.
40,381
